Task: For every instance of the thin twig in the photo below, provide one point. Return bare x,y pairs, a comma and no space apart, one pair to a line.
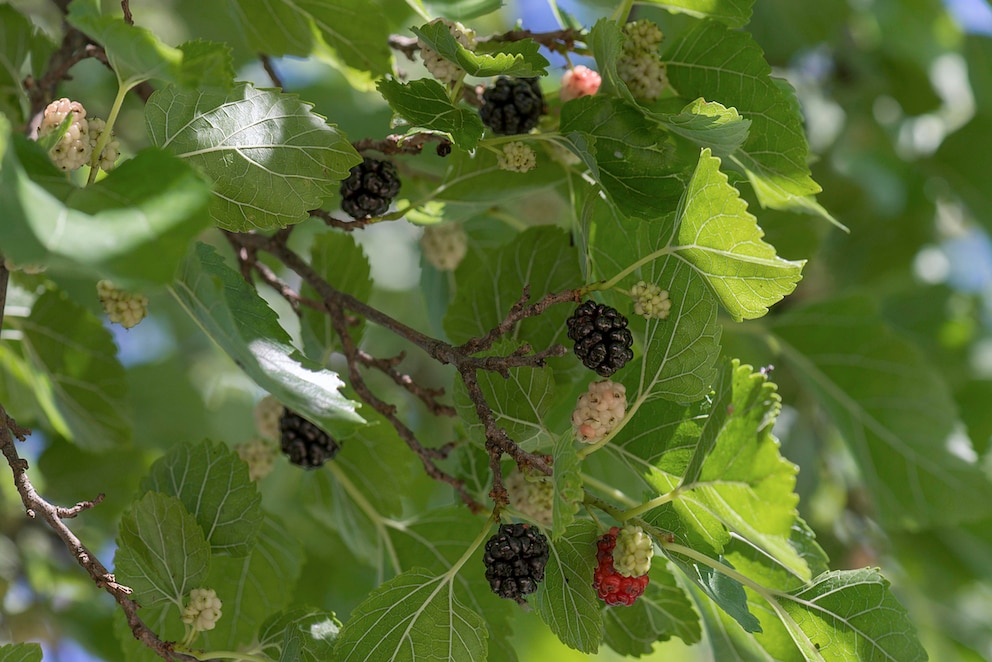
399,144
271,71
128,18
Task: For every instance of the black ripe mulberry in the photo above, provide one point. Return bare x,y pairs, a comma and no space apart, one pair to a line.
370,188
512,105
602,339
515,558
303,442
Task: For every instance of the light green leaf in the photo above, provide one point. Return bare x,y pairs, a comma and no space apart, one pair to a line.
727,641
662,612
19,40
212,482
425,103
636,163
462,9
567,481
540,258
338,259
254,587
133,225
565,600
725,591
206,64
82,376
475,182
677,355
413,616
356,29
492,58
719,239
307,634
708,124
161,552
734,13
893,410
719,64
20,653
271,160
135,54
852,614
232,314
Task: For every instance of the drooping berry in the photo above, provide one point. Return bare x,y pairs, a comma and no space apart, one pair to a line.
111,151
267,413
580,81
442,69
370,188
640,65
613,588
259,455
203,609
444,245
73,149
512,105
516,157
650,300
532,496
304,443
602,339
599,410
124,308
633,552
515,558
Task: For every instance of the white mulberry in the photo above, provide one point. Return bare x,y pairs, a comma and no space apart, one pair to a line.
633,552
111,151
124,308
516,157
639,65
267,413
203,609
578,82
259,455
533,496
599,410
442,69
74,149
650,300
444,245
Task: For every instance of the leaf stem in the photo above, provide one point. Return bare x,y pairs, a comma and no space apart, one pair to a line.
418,8
622,12
606,507
115,110
457,565
647,506
600,486
230,655
650,257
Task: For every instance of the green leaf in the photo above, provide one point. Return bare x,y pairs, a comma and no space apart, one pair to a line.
425,103
232,314
135,54
493,58
734,13
708,124
271,159
206,64
161,552
662,612
19,41
212,482
893,409
133,225
83,378
413,616
339,260
677,359
725,591
852,614
717,237
727,640
462,9
307,634
636,163
20,653
475,181
565,600
567,481
715,63
254,587
356,29
540,258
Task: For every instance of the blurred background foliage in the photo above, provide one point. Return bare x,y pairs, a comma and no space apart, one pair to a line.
897,96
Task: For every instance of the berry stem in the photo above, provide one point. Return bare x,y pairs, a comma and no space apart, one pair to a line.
104,140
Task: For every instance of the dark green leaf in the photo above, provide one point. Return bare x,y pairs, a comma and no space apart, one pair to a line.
507,58
735,13
567,481
20,652
425,103
307,634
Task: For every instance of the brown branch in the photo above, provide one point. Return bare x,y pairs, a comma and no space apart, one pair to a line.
406,45
558,41
399,144
128,18
53,515
271,71
427,395
348,226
